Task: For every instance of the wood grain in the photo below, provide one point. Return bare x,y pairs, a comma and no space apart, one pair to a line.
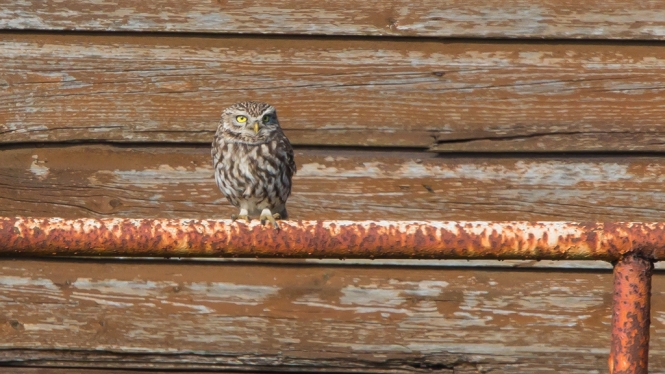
451,96
561,19
344,319
109,181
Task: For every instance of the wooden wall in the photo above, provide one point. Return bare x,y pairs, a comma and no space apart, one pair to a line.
437,109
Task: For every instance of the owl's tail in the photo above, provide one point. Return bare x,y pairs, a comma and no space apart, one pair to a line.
283,214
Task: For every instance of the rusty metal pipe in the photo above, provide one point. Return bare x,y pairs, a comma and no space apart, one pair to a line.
330,239
629,353
633,246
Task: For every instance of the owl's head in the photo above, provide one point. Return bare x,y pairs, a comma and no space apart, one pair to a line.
250,121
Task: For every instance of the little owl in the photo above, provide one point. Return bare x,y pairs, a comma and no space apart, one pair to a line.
253,161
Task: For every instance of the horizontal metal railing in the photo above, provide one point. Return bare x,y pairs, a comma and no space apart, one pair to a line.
631,247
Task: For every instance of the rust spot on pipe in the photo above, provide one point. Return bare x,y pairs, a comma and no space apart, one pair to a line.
330,239
631,316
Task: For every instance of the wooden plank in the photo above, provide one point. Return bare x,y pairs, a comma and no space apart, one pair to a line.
343,319
452,96
102,181
561,19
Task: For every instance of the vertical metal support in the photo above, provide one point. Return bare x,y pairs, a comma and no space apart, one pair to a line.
631,315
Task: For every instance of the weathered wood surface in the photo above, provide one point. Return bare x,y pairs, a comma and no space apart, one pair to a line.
614,19
450,96
102,181
161,315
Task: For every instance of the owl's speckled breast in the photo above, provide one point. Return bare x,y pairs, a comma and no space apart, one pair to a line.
253,177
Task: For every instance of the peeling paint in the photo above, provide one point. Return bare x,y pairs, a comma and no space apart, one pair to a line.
39,169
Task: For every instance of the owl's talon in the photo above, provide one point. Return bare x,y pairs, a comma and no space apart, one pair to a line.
267,217
241,217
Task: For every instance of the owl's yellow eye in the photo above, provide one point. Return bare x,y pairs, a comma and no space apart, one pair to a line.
266,119
241,119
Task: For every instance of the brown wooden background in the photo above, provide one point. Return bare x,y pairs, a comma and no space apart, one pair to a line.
446,110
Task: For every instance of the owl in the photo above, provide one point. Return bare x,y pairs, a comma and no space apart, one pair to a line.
253,161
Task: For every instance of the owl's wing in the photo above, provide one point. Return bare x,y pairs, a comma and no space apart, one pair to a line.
288,149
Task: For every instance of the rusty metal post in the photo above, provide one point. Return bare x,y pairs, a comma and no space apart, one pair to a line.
631,315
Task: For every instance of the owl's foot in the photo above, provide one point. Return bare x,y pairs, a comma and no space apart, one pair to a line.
243,216
266,215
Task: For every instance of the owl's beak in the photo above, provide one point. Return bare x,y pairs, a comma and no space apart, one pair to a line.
256,127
